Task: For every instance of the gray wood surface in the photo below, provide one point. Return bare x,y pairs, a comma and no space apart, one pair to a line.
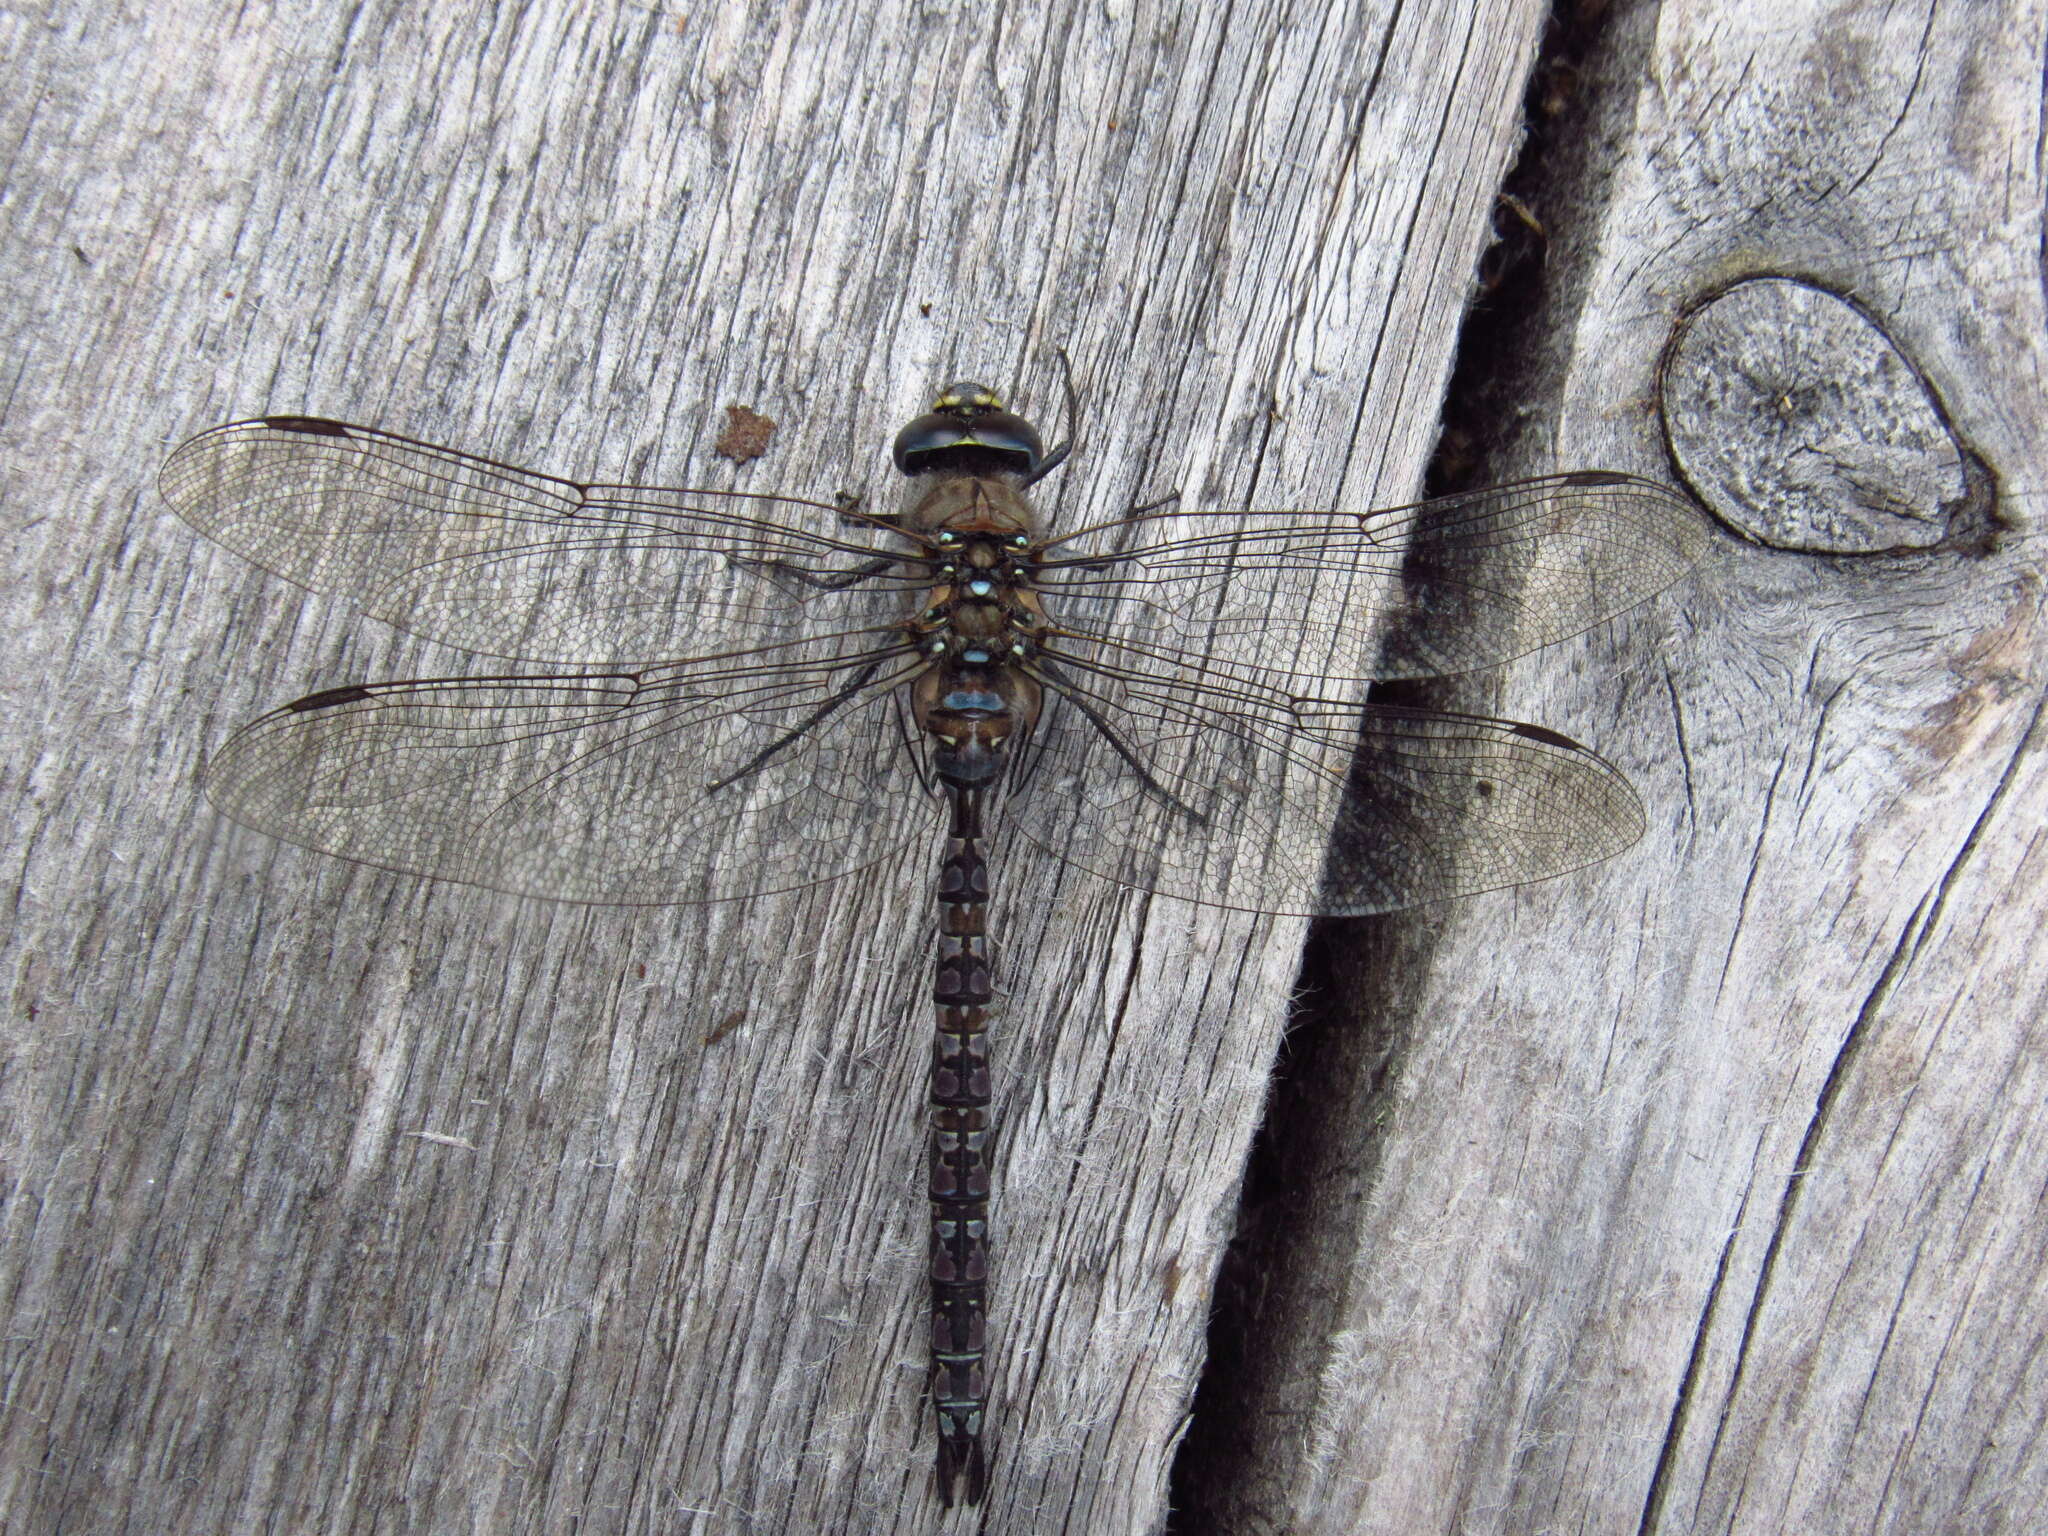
1719,1206
342,1201
1697,1191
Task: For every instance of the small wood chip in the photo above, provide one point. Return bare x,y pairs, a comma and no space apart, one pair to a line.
745,436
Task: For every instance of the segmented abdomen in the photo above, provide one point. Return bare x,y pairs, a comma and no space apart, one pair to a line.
960,1154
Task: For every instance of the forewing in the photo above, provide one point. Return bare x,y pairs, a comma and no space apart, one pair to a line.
507,562
717,780
1229,797
1300,600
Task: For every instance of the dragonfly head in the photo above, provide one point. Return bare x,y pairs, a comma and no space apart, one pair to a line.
967,429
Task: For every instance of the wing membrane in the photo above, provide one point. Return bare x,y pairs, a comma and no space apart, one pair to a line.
510,563
1298,600
715,780
1228,799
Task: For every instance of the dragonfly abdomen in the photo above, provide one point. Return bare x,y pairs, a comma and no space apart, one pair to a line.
960,1137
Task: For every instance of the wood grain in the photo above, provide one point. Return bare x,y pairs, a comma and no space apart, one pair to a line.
1721,1209
344,1201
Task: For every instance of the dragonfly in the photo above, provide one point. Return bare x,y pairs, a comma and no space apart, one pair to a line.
725,694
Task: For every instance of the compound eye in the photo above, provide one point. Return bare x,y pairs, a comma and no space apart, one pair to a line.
969,421
926,436
1009,434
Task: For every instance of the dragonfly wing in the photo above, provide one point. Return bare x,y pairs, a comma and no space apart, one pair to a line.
1446,805
507,562
1230,800
1297,600
716,780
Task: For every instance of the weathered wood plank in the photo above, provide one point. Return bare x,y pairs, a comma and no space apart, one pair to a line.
1720,1210
345,1201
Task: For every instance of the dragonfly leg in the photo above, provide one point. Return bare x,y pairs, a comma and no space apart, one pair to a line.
796,733
839,581
1058,455
853,509
1056,679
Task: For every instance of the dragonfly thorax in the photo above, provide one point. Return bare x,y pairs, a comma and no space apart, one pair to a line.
951,510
